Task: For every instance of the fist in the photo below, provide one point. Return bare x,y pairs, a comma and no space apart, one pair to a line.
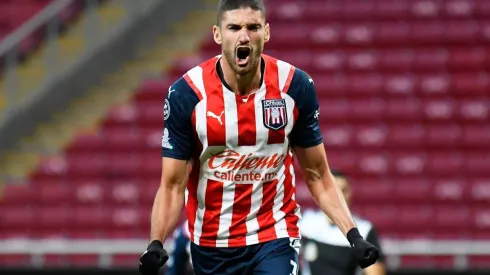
153,258
366,253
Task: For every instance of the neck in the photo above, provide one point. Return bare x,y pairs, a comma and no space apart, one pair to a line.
241,84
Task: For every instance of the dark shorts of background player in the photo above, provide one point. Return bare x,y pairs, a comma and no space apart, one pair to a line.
276,257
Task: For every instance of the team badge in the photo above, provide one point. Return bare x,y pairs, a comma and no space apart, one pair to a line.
275,115
166,110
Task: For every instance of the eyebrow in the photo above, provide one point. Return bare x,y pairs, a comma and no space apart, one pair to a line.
248,25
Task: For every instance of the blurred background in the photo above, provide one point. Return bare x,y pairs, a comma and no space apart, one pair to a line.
404,92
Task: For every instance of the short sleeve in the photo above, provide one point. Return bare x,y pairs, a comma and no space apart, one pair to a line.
372,238
306,131
178,138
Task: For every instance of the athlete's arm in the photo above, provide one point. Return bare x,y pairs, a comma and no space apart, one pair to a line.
177,149
321,183
306,139
169,199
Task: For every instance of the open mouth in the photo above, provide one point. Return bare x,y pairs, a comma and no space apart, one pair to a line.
242,55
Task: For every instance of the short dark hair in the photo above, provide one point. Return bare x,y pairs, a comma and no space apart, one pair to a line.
228,5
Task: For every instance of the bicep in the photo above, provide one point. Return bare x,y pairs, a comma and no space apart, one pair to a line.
313,161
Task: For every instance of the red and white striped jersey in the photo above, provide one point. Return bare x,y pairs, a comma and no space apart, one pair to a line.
241,190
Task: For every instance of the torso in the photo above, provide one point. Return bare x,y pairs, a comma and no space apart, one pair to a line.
242,190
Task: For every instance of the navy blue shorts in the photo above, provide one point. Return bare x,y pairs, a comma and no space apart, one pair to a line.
277,257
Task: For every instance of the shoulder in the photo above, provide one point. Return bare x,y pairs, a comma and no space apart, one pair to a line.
181,89
301,78
181,98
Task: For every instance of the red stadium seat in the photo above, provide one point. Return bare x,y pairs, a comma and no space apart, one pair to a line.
84,142
439,110
465,59
337,135
396,60
430,60
451,218
406,136
373,189
434,85
17,195
425,9
81,165
439,164
403,110
14,218
477,163
409,163
391,34
371,136
450,190
329,85
459,9
411,190
476,136
364,85
410,217
480,190
466,84
444,135
475,110
399,85
122,116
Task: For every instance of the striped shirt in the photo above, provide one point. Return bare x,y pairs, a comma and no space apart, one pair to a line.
241,190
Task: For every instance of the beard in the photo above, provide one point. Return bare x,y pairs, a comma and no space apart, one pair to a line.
252,64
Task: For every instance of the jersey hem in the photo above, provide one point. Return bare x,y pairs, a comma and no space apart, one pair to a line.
175,156
310,144
231,243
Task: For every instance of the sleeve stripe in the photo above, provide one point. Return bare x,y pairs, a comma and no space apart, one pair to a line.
289,79
193,86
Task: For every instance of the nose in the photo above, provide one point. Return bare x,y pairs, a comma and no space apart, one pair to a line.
244,38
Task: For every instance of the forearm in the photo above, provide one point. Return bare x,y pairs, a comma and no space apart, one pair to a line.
330,199
167,207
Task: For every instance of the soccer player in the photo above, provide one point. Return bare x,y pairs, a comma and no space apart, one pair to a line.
238,117
325,250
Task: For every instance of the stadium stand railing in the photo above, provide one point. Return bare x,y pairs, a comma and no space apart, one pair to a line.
61,50
106,250
13,49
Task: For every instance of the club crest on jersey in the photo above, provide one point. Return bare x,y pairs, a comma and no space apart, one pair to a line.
275,115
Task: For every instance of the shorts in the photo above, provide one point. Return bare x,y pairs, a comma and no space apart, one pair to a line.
277,257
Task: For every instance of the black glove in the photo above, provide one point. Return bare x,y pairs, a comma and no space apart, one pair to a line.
153,258
366,253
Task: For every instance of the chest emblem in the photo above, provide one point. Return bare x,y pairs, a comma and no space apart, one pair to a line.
275,113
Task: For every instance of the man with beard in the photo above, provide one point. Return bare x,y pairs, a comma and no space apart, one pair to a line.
237,118
325,250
